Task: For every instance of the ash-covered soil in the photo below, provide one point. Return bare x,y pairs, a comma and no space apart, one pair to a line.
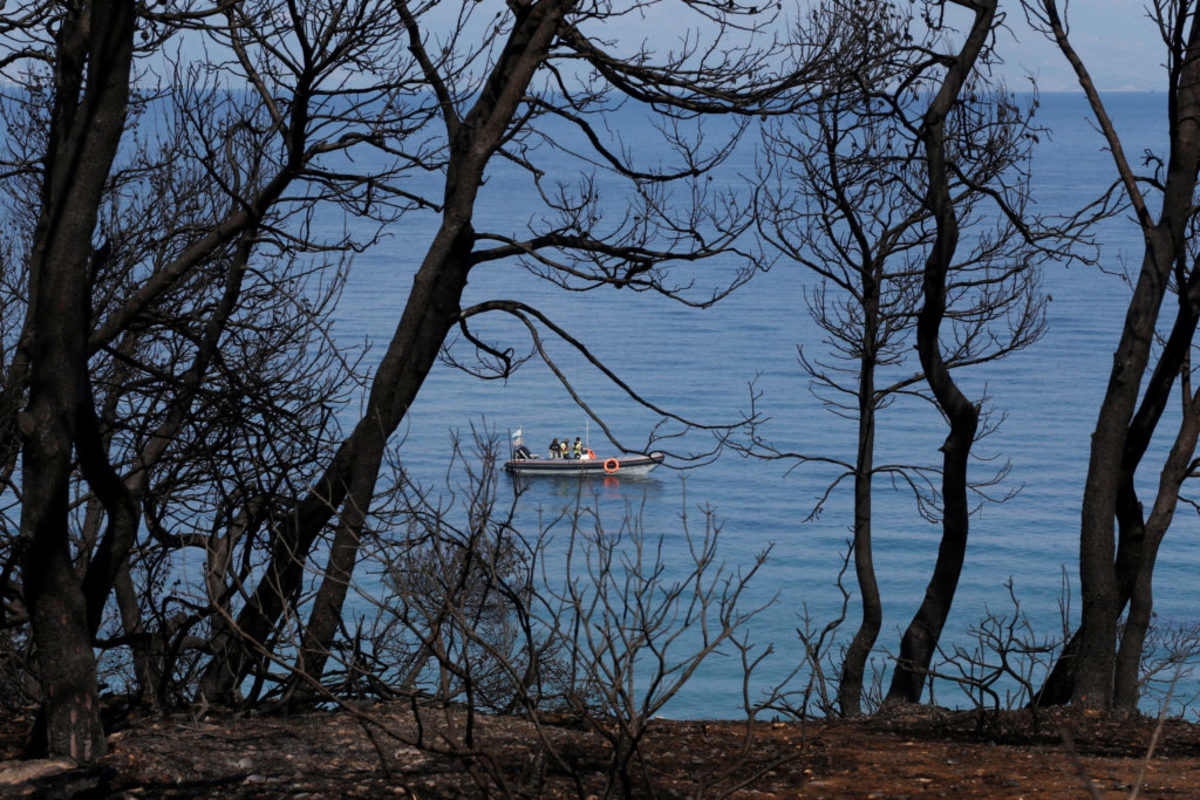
380,750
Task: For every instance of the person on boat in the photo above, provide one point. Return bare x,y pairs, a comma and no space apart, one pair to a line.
566,448
578,447
519,448
554,449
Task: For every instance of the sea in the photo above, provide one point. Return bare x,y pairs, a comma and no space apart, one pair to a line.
711,365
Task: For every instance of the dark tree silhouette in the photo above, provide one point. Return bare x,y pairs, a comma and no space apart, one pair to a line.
861,196
91,74
172,371
1118,540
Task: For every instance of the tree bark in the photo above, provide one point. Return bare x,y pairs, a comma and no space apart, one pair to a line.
1101,601
95,47
1109,462
408,361
1141,603
854,664
432,309
1136,546
920,639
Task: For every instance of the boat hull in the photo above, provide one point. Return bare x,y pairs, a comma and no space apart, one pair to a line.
626,467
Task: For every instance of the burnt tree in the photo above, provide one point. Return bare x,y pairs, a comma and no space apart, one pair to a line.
855,197
1118,541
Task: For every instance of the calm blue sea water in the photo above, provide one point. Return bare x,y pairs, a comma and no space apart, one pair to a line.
700,364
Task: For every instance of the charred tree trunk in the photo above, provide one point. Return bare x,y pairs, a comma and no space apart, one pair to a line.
854,664
407,364
1175,470
1138,539
1100,588
408,361
432,309
95,47
920,639
1093,663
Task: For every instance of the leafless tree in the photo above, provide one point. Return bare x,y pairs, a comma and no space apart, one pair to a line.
583,622
198,358
490,103
586,618
168,372
1119,540
868,192
1004,664
91,76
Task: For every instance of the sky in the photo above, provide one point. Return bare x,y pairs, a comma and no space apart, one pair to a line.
1119,45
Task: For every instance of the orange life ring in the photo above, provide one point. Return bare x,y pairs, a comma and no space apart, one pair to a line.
612,465
590,454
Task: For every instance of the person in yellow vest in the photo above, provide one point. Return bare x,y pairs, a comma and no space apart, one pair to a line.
578,448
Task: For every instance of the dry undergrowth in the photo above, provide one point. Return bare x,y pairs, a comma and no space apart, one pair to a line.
918,753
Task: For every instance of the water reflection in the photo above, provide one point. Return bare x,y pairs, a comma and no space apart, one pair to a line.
540,488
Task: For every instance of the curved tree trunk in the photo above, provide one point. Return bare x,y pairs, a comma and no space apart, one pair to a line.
920,639
854,664
1093,664
481,134
1099,585
1137,546
372,435
1141,605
